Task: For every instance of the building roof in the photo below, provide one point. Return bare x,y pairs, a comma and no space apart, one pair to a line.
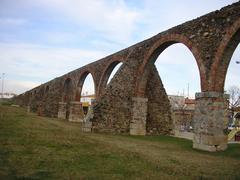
189,101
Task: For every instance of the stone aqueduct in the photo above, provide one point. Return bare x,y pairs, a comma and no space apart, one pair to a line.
135,101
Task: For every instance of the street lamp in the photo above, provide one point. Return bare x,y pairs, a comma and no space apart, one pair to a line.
2,83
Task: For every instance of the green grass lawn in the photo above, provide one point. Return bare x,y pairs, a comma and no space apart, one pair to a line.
33,147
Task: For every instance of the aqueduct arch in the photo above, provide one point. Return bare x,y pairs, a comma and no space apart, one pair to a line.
80,84
223,56
158,47
46,89
150,92
67,97
68,89
106,75
211,38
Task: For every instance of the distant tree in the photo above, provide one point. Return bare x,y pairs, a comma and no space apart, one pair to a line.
234,99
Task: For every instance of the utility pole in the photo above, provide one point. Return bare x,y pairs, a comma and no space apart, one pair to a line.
188,90
2,83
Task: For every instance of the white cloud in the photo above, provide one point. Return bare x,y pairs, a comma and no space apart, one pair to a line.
18,87
58,37
39,64
113,20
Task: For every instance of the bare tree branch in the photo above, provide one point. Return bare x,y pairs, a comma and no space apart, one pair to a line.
234,100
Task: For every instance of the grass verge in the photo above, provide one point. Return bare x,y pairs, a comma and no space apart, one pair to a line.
33,147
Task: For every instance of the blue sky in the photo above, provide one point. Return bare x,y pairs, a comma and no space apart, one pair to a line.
44,39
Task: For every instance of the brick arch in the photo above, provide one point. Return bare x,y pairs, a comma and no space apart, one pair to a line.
41,92
31,94
81,81
223,57
158,47
28,97
105,76
68,88
47,89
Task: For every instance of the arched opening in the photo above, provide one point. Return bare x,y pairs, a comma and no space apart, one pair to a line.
112,70
86,91
179,71
28,98
67,95
171,68
231,66
33,102
108,74
68,90
40,101
41,92
179,74
224,56
46,89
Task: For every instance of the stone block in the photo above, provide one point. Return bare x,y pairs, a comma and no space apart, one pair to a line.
76,112
204,147
87,122
212,139
87,126
137,131
28,108
210,121
138,122
62,110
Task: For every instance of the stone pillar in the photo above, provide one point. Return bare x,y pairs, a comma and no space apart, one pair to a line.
87,122
210,121
138,122
76,112
28,108
39,109
62,108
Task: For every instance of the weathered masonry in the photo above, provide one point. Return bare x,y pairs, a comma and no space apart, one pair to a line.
135,101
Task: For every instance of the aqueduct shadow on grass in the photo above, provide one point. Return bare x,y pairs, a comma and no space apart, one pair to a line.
128,104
